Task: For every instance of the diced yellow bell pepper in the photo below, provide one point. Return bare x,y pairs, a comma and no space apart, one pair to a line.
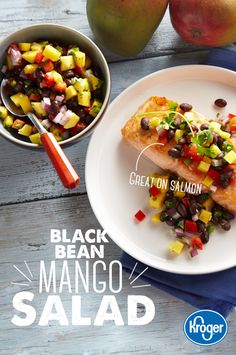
30,68
156,218
205,216
70,92
214,151
3,112
26,104
24,47
203,167
208,181
176,247
8,121
158,201
26,130
96,107
230,157
207,160
16,98
30,56
95,83
79,59
224,135
51,53
56,76
84,98
82,85
38,108
67,62
178,134
208,204
35,138
154,121
232,122
180,194
36,47
72,121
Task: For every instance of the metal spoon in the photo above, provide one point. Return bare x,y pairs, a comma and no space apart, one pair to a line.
65,170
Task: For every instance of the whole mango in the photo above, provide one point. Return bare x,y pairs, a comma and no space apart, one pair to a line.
125,26
205,22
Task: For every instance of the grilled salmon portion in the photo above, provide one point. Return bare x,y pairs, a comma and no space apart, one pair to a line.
140,138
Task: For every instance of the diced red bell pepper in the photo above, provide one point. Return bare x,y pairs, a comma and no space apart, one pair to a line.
154,191
86,110
231,115
190,226
79,70
48,66
34,97
140,216
214,175
193,153
47,82
60,86
39,57
186,201
162,137
233,178
185,151
233,129
196,242
61,129
17,124
78,128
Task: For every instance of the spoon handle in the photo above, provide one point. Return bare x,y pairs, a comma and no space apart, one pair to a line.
65,170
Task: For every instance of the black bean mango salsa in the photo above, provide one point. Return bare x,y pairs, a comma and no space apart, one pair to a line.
59,84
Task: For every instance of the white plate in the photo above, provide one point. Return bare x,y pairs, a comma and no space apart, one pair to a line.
110,161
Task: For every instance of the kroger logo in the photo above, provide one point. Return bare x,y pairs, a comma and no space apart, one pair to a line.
205,327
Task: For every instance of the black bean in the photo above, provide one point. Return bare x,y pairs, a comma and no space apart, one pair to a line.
193,209
186,107
200,227
164,216
225,225
182,210
55,107
228,215
169,203
69,74
174,153
204,126
220,102
170,222
145,124
182,141
170,134
169,194
204,237
67,81
177,122
202,198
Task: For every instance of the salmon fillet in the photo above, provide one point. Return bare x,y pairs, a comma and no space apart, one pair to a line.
139,139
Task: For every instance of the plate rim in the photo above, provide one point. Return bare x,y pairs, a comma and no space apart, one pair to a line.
89,151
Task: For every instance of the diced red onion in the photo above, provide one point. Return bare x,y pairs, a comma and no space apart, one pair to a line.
47,100
58,118
213,188
179,232
217,162
4,69
88,73
194,252
176,215
16,56
63,117
195,217
59,98
46,123
23,75
63,109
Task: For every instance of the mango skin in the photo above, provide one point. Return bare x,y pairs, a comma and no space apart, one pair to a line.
209,23
125,26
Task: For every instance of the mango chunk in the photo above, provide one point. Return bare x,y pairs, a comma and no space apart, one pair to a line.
30,56
84,98
17,98
67,62
3,112
72,121
24,46
70,92
26,130
30,68
176,247
51,53
26,104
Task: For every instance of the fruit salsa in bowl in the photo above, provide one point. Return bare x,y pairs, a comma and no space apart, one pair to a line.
58,74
